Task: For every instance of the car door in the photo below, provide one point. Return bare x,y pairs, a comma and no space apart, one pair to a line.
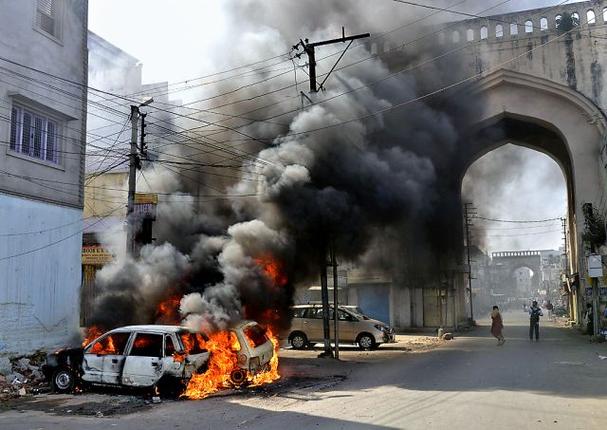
103,359
313,324
347,326
144,365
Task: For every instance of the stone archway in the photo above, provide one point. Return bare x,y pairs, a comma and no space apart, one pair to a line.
551,118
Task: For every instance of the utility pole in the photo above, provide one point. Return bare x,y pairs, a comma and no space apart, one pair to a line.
566,255
335,300
324,295
309,50
468,213
134,165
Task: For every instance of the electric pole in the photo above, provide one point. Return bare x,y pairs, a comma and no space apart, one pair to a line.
324,296
468,213
335,300
309,50
565,254
134,165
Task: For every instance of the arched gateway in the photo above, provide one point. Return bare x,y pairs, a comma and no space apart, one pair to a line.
526,110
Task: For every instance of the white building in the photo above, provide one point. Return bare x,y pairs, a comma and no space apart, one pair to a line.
43,103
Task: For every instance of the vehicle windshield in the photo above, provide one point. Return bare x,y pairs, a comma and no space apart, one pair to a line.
357,312
256,335
193,343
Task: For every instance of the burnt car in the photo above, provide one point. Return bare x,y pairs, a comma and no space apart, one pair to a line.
132,356
255,351
154,356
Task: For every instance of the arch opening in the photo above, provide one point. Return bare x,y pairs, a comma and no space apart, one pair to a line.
517,171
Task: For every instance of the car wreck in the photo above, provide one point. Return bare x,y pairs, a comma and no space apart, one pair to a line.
158,357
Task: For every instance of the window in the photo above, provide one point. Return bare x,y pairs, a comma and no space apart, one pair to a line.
33,134
605,14
193,343
575,19
169,346
111,344
484,32
591,17
47,14
558,20
256,335
147,345
499,30
298,312
543,24
513,29
470,35
528,26
455,37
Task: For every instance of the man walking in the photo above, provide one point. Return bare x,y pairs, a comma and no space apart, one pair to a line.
534,321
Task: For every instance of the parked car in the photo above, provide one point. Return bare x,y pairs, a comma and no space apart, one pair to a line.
146,356
354,327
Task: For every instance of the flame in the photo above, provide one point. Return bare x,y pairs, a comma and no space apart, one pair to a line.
271,374
273,269
104,346
223,360
167,311
92,333
224,347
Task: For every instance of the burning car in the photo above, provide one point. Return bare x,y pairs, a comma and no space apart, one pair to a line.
155,356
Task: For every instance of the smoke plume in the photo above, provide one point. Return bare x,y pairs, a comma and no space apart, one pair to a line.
347,169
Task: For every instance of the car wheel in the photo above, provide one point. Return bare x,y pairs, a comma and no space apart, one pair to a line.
298,340
63,380
366,342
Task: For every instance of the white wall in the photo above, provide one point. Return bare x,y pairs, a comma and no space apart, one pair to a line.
23,43
39,291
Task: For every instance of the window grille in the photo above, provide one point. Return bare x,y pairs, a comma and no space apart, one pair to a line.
33,134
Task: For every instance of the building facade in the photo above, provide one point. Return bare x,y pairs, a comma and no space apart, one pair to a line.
43,99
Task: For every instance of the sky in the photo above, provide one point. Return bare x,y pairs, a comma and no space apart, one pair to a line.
176,40
162,33
517,184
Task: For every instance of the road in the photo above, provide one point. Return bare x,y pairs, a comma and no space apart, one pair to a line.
470,383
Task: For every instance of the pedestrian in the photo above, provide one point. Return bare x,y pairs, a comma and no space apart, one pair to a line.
549,308
497,325
589,320
534,321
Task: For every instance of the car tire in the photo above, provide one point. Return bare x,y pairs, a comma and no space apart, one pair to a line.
63,380
298,340
170,387
365,342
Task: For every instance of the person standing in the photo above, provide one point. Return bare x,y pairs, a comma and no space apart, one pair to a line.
549,308
497,326
534,321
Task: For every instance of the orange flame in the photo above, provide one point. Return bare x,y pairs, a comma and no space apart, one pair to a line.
223,360
224,348
167,311
273,269
92,333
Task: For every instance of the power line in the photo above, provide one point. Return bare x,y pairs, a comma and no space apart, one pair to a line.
518,221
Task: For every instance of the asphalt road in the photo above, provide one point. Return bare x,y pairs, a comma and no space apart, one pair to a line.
470,383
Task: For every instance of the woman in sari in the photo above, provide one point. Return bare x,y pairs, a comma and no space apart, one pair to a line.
497,325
